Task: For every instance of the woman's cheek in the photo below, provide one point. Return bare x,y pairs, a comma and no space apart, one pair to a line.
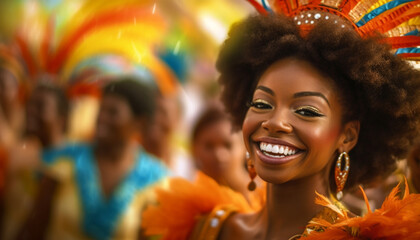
322,134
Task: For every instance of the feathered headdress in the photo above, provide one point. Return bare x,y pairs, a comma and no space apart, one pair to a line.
56,41
398,20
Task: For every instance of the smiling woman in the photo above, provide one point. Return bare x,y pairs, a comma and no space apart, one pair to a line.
359,79
321,111
316,100
294,124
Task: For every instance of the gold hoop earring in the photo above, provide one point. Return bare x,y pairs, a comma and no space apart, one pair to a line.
252,173
341,175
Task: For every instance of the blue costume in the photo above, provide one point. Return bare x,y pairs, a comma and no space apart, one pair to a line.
80,209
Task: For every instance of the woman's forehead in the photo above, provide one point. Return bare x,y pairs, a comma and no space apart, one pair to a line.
295,74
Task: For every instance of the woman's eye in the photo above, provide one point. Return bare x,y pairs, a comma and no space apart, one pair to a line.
309,112
261,105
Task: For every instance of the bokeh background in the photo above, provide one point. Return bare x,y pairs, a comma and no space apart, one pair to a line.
173,43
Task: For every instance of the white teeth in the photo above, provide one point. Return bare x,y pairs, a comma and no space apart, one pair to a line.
263,146
273,155
276,149
281,150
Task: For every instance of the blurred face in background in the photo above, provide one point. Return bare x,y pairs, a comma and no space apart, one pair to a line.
8,89
157,134
116,121
217,150
43,115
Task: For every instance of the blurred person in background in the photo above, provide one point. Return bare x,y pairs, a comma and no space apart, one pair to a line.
47,113
98,190
163,137
157,134
11,116
219,151
45,128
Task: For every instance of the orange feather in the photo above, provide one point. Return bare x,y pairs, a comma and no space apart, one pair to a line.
183,202
396,219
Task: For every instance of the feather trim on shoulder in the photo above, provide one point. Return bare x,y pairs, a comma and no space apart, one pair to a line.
396,219
184,202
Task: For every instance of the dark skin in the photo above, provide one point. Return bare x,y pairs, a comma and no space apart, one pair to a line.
43,119
115,146
219,153
293,106
113,166
44,128
157,134
10,119
8,93
114,150
10,114
36,225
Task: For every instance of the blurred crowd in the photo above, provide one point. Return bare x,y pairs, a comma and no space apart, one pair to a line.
90,125
102,101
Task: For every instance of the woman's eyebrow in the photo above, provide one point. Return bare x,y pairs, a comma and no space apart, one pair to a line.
316,94
266,89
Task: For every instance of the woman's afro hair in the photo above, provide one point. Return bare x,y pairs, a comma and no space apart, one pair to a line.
375,86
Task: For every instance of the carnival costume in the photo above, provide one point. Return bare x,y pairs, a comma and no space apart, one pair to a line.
81,211
397,20
198,211
201,206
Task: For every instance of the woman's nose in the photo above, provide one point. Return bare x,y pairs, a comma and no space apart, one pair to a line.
278,121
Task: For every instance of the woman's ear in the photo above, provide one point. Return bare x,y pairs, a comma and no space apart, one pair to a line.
350,136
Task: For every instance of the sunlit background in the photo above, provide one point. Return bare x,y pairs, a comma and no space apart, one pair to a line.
173,43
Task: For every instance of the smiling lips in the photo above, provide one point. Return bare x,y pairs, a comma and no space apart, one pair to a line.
277,153
275,150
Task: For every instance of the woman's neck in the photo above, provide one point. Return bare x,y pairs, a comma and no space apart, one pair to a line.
54,139
290,206
114,152
113,164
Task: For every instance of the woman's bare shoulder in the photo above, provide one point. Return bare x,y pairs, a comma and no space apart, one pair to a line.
240,226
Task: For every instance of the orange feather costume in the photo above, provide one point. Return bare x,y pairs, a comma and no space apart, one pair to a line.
185,204
396,219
